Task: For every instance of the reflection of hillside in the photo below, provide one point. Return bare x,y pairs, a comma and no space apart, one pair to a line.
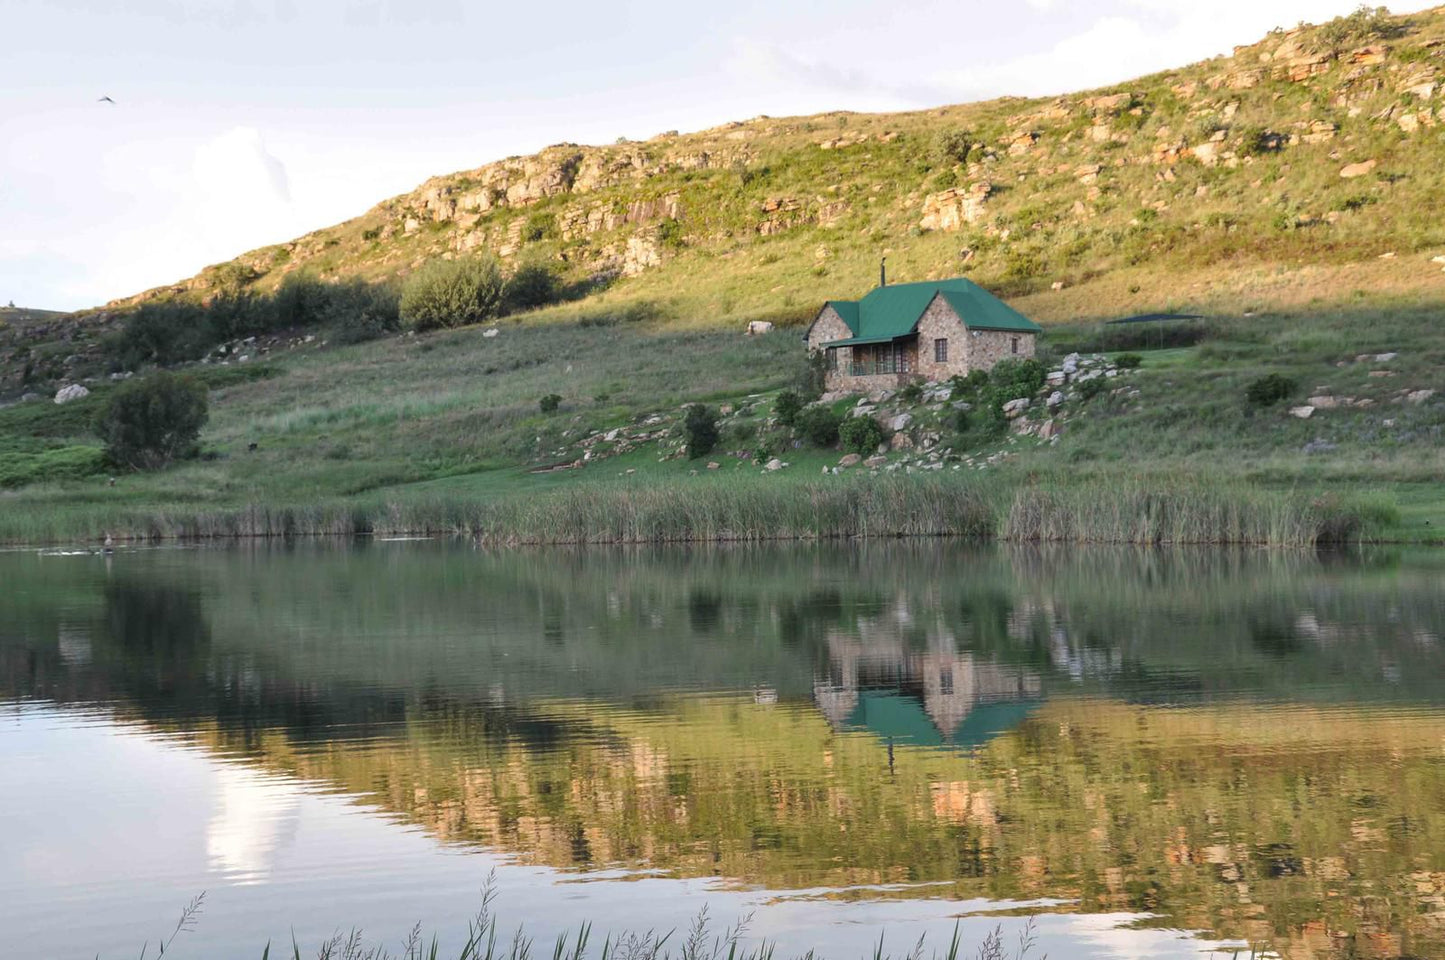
1281,824
698,713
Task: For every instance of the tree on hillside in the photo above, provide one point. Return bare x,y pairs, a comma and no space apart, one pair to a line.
152,421
452,293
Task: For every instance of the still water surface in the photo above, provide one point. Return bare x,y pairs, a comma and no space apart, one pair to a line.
1156,754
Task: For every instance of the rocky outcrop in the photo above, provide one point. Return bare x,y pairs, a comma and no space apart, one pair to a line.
951,209
581,220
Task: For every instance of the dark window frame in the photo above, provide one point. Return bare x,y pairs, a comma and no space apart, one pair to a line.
940,349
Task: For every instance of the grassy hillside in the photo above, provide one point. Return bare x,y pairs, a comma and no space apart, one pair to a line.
1166,186
1218,188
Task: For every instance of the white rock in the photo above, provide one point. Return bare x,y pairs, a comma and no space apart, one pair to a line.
774,464
490,332
901,421
1056,399
73,392
1416,397
1015,408
1303,413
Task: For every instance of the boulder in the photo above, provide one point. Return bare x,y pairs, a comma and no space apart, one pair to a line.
756,327
490,332
1056,399
1324,402
1416,397
850,460
774,465
73,392
901,421
1358,169
1302,413
900,441
1050,429
714,465
1015,408
876,461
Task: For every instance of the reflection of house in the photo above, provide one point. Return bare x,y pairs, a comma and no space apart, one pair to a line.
931,696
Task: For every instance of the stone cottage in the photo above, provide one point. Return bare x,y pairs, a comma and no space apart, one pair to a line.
917,331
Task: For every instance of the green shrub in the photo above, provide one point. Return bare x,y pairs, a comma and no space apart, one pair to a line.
1269,389
670,235
300,300
788,404
952,146
1128,361
530,286
357,311
452,293
163,334
1089,389
152,421
74,462
861,435
819,425
912,392
1364,24
540,226
550,403
812,376
969,384
700,429
1011,379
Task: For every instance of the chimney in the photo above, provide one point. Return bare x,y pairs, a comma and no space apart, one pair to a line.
883,272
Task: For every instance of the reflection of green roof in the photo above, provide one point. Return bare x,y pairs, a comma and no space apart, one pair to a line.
988,720
893,716
902,719
890,312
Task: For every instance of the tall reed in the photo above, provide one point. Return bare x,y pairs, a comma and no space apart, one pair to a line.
971,506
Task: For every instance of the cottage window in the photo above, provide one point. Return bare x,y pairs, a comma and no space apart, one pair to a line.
940,350
1014,344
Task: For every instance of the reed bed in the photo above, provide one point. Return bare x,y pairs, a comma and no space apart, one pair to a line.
698,943
970,506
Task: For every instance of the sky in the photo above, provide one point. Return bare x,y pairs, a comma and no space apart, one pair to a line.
238,123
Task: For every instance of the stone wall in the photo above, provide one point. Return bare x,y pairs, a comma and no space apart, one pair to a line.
940,322
830,327
988,347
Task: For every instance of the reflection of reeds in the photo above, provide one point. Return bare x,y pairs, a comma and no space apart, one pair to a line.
722,509
699,944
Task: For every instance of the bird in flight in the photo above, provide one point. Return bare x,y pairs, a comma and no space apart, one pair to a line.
106,100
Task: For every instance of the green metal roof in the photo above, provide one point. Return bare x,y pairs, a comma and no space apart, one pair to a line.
981,310
890,312
848,310
860,341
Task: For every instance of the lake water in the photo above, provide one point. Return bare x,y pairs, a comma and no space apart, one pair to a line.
1153,754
